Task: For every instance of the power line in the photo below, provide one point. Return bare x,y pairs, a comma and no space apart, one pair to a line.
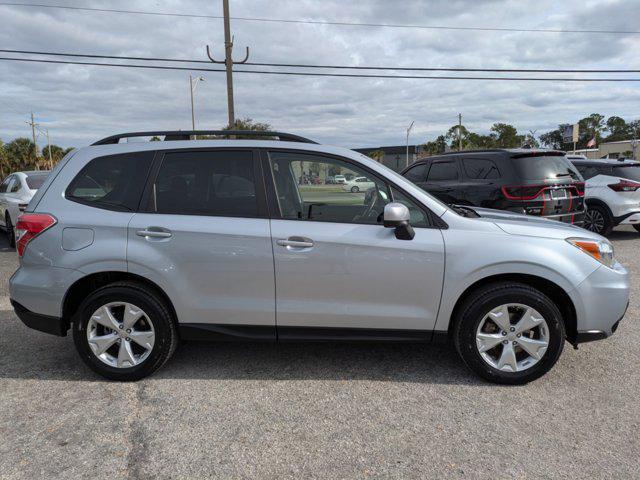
323,22
322,74
347,67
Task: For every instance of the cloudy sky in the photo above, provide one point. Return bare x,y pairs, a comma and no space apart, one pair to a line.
79,104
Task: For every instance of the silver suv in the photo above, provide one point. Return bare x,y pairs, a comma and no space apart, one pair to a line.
137,245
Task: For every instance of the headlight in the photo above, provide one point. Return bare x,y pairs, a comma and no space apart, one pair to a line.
601,250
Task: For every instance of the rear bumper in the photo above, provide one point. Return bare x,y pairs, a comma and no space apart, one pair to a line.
43,323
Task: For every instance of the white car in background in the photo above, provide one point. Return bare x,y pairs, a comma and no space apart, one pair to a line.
339,179
16,191
358,184
612,193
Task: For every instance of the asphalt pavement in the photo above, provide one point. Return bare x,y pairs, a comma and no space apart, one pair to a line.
318,410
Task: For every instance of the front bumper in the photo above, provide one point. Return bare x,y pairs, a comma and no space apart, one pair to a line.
601,302
43,323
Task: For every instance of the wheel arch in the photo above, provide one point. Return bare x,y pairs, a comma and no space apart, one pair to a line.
85,285
555,292
600,203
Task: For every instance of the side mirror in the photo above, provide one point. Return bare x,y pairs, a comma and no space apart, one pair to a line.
396,215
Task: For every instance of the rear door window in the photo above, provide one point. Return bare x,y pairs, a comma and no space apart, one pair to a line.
216,183
480,168
443,172
545,168
113,182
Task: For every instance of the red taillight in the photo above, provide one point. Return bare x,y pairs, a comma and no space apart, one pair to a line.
29,226
624,186
528,192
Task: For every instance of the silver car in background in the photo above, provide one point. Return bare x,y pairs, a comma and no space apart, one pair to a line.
16,191
133,246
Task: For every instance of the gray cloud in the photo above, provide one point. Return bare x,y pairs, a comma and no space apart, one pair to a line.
80,104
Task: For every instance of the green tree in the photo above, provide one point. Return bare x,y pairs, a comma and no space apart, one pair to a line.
453,135
506,136
4,161
377,155
439,145
553,139
590,127
248,124
618,129
21,153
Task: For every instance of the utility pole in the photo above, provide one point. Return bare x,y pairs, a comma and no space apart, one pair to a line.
408,131
228,61
49,149
459,132
33,134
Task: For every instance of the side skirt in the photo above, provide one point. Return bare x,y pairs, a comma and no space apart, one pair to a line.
264,333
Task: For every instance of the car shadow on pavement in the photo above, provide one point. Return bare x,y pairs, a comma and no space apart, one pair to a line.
27,354
624,235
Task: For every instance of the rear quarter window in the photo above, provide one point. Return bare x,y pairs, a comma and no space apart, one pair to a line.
35,181
480,168
113,182
631,172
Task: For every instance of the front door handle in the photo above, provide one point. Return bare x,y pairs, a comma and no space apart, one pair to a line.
154,232
295,242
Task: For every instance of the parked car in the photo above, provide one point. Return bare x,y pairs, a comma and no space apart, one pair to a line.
16,190
541,183
134,246
358,184
339,179
612,193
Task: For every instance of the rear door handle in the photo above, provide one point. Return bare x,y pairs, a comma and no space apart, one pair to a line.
295,242
154,232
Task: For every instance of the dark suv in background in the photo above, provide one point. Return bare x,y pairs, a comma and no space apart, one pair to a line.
534,182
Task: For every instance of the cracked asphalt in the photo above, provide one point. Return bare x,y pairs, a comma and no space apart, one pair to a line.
318,410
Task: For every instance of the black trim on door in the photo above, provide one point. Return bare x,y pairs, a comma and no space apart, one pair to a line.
227,333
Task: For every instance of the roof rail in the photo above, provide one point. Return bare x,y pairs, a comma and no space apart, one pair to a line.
188,134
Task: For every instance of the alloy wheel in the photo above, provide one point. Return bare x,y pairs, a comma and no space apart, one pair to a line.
120,334
594,220
512,337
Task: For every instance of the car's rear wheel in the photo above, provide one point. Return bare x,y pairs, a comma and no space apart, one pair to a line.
124,331
509,333
355,189
11,236
598,220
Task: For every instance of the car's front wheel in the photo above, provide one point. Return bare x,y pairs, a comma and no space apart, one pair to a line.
124,331
509,333
355,189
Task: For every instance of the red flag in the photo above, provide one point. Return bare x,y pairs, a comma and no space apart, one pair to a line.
592,143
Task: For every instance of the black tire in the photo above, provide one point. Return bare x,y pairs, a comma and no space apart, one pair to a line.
355,189
158,313
11,236
485,299
598,219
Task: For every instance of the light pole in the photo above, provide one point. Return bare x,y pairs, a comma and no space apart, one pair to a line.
193,83
408,132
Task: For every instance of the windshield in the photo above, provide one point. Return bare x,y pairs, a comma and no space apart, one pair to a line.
545,168
35,180
632,172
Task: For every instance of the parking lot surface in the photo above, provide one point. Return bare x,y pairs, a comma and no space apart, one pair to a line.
318,410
